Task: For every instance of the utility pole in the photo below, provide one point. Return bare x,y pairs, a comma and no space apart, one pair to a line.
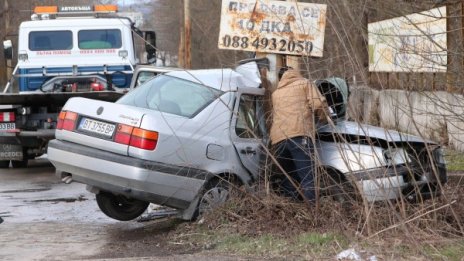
276,61
6,20
185,54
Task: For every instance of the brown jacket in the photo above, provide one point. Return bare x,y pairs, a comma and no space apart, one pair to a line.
295,103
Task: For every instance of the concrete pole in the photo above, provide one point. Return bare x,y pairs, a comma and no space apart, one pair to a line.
277,61
291,60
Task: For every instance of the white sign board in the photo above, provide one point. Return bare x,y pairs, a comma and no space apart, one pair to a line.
273,27
412,43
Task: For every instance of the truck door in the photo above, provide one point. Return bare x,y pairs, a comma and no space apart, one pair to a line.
248,131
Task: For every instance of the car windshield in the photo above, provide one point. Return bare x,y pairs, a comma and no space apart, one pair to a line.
171,95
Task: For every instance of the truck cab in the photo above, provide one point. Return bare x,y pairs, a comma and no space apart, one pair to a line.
65,49
64,52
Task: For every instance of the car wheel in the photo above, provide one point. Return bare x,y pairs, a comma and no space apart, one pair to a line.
120,207
337,187
215,193
19,163
4,164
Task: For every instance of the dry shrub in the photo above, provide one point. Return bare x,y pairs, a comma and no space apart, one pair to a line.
267,213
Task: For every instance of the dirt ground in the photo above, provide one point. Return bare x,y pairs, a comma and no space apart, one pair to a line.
45,219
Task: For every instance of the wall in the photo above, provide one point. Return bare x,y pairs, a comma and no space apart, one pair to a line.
438,116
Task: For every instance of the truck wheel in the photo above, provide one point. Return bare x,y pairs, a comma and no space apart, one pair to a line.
4,164
120,207
19,163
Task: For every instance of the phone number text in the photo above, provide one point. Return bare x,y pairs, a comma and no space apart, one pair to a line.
264,44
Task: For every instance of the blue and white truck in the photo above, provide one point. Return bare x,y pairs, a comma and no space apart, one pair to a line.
64,52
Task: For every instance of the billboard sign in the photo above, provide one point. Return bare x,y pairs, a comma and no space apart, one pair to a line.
273,27
412,43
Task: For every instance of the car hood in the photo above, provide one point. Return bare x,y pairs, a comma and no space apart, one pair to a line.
363,130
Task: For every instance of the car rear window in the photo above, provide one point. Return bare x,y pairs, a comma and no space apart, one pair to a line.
172,95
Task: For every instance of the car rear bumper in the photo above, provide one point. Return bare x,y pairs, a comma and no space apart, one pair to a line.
154,182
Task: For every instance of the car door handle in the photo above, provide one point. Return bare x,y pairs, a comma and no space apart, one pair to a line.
248,150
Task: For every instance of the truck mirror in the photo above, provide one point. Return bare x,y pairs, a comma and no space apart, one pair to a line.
150,44
8,49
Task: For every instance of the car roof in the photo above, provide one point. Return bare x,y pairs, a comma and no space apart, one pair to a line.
222,79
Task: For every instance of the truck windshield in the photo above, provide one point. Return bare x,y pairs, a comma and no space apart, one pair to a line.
100,39
50,40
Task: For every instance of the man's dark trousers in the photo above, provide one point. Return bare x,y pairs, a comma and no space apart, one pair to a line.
296,156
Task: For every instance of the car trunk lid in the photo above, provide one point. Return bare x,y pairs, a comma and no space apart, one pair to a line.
103,125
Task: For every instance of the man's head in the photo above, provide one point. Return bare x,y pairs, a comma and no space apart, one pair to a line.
282,70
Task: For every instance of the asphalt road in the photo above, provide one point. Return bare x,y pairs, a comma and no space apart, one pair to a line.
45,219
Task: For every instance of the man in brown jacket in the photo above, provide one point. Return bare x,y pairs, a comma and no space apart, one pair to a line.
297,107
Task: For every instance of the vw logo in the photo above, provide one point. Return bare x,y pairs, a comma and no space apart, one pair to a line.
99,110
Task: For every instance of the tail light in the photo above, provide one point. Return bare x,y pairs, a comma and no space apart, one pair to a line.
96,87
67,121
136,137
7,117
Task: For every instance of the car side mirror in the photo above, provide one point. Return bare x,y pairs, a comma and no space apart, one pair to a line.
8,49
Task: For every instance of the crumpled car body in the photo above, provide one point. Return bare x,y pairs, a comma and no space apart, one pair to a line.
382,164
175,139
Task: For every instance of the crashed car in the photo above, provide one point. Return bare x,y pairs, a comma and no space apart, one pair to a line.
172,141
181,139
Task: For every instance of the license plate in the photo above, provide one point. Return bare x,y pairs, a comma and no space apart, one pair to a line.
7,126
97,127
11,152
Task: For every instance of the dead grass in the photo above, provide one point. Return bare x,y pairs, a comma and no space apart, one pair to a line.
267,225
454,160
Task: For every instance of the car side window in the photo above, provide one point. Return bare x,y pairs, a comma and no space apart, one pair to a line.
143,77
247,125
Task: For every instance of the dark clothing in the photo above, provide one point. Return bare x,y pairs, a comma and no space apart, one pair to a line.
296,156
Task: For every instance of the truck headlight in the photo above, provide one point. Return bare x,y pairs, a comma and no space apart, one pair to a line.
123,54
396,156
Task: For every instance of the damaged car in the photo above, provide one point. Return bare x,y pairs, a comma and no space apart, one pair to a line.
185,138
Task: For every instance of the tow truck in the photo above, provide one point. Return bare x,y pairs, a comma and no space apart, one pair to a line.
64,52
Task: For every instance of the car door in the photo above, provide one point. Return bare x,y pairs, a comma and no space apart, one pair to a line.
248,131
336,92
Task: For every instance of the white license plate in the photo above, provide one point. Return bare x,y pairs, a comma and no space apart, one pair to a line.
11,152
97,127
7,126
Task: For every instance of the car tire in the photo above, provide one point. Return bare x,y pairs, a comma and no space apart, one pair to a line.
19,163
214,194
4,164
120,207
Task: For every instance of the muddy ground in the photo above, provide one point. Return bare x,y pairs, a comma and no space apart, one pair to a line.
45,219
